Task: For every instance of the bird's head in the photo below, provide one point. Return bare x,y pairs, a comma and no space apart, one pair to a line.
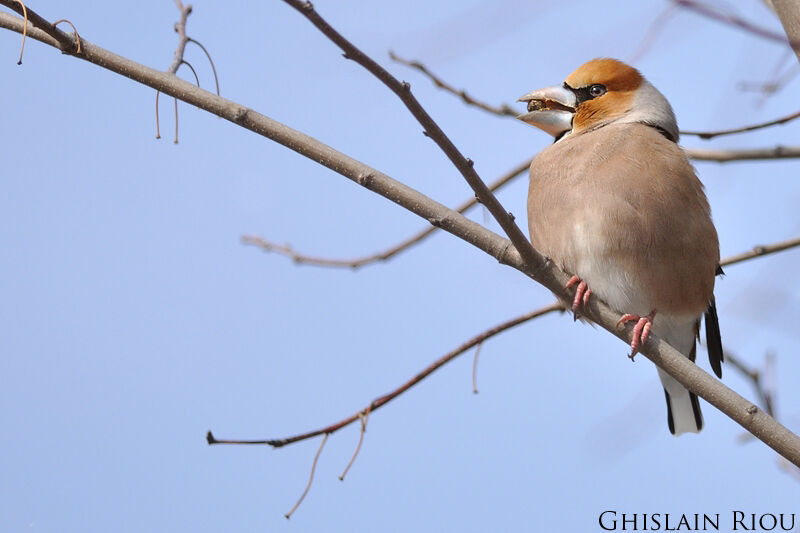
599,92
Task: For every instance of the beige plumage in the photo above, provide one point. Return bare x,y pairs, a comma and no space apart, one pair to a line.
615,202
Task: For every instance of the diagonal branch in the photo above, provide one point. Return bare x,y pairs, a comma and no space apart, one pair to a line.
687,373
386,398
384,255
502,109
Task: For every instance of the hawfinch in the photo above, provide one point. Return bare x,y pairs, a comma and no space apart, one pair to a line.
615,202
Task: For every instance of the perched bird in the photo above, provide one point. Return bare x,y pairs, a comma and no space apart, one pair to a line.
615,202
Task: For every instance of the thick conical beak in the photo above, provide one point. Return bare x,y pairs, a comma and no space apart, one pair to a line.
550,109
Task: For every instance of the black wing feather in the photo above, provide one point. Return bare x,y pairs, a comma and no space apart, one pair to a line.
714,340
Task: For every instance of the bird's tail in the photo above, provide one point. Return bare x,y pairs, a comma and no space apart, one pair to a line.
683,407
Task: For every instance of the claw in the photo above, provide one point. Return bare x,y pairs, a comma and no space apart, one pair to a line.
640,331
582,294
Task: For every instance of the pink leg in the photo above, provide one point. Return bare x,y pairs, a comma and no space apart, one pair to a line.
582,294
640,331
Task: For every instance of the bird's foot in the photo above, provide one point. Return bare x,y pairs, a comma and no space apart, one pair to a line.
640,331
582,294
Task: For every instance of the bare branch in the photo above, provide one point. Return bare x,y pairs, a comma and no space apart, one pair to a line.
384,255
745,154
758,251
502,110
712,134
180,29
386,398
532,264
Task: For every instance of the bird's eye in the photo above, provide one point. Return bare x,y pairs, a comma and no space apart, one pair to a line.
597,90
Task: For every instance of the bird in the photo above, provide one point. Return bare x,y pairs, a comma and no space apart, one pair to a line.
615,203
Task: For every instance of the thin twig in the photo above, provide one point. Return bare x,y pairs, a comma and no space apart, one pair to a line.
211,61
502,110
386,398
712,134
758,251
310,479
24,31
364,417
176,121
384,255
475,368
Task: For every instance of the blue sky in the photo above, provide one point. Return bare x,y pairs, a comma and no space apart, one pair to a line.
132,319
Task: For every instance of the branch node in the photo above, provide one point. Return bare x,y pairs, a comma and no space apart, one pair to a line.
752,409
511,216
470,162
425,133
405,86
308,7
77,37
365,180
437,222
240,115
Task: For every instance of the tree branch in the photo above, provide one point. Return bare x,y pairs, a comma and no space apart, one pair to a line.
503,110
377,403
758,251
687,373
712,134
745,154
356,263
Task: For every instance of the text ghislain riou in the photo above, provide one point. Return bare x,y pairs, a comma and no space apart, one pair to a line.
737,521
